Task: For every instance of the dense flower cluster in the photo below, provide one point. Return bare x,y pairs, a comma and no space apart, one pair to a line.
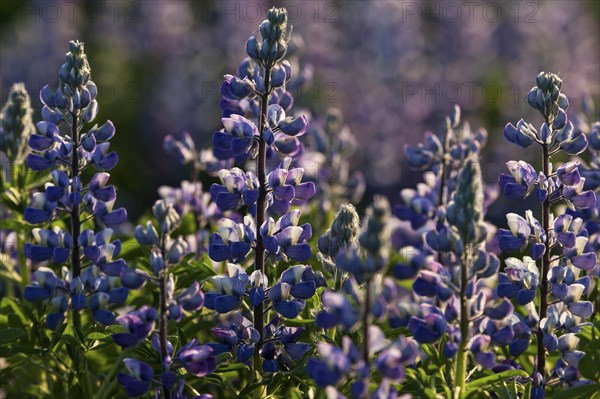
16,124
165,252
559,243
92,281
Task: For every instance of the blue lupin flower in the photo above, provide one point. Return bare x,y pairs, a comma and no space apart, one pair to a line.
391,361
238,337
419,205
516,238
228,291
430,328
330,368
184,150
522,135
285,239
236,189
478,347
197,359
237,140
138,379
519,280
521,182
139,325
233,241
337,311
53,245
581,254
284,302
287,188
98,305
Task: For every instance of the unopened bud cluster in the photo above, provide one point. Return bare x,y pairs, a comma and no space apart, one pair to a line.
343,232
465,212
16,124
273,32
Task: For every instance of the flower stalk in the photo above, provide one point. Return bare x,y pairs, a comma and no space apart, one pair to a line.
461,355
541,358
75,221
365,326
259,255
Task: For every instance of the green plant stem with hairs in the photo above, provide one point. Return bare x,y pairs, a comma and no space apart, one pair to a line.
163,312
259,257
541,350
461,354
365,326
75,221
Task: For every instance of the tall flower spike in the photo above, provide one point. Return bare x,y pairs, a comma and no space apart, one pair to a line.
569,244
343,232
465,211
375,235
68,154
16,124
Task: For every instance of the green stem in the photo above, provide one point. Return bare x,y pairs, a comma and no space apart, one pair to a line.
541,358
461,355
365,326
23,271
259,255
109,380
75,222
163,315
442,179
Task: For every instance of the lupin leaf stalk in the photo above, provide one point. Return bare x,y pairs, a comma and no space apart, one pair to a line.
465,213
563,233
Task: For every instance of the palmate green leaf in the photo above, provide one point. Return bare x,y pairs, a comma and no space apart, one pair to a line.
131,249
35,179
250,388
12,200
205,269
527,391
582,392
15,225
297,322
72,341
186,227
98,335
493,379
8,335
589,365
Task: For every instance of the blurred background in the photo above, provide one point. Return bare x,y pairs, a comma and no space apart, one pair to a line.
394,68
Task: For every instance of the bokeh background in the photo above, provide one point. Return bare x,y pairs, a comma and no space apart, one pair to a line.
395,69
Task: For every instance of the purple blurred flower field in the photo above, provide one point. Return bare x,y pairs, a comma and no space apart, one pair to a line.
316,200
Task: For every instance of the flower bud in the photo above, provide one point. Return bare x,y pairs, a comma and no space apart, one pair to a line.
465,212
253,48
16,125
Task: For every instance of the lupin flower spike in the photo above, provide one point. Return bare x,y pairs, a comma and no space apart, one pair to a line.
16,124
